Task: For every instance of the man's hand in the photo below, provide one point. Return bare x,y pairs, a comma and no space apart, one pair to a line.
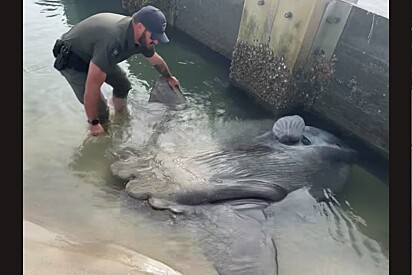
96,130
173,82
160,65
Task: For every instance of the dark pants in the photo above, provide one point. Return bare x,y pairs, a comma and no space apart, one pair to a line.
117,79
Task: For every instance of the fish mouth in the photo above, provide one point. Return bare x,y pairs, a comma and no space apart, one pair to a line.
235,192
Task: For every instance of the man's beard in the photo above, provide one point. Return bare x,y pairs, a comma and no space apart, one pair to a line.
143,41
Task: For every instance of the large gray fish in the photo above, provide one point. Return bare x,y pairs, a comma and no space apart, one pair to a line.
222,194
291,156
163,93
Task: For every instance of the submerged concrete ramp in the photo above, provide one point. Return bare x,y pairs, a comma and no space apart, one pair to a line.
46,252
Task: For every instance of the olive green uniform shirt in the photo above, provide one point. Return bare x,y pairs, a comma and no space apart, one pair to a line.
106,39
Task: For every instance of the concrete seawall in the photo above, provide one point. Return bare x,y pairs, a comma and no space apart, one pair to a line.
214,23
328,58
358,98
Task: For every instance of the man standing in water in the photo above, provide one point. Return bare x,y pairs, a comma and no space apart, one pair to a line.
87,55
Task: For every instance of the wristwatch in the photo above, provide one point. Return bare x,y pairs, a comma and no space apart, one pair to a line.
94,121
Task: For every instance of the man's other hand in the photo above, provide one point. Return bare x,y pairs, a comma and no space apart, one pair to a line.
96,130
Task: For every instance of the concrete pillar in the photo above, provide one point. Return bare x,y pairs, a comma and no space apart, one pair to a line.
287,27
275,40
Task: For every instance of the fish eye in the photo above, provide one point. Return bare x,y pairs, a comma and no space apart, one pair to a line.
306,141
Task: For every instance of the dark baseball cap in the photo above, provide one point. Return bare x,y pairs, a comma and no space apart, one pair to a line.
155,22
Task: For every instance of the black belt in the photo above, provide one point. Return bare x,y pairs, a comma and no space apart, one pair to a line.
65,58
77,63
